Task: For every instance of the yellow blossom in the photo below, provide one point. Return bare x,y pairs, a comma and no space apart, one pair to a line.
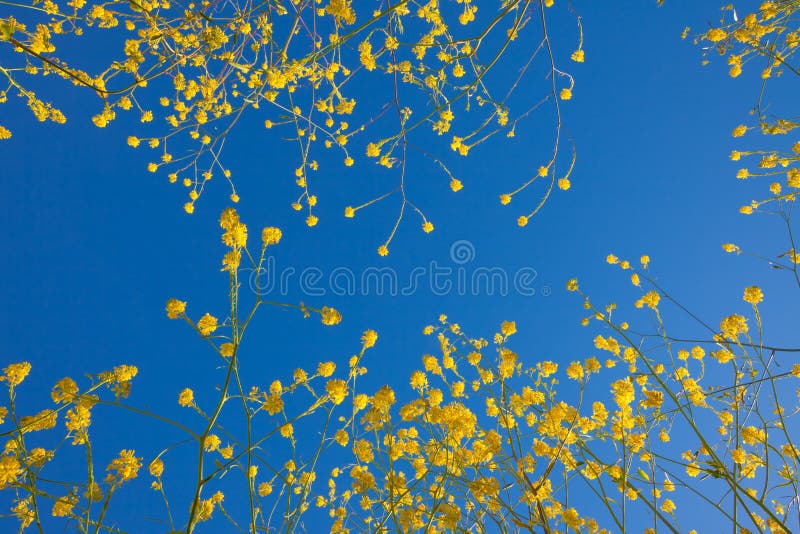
753,295
330,316
15,373
186,397
175,308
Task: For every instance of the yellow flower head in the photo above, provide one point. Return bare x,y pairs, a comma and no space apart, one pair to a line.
716,35
330,316
156,467
271,235
336,390
369,338
207,324
186,397
508,328
124,467
15,373
175,308
572,284
326,369
753,295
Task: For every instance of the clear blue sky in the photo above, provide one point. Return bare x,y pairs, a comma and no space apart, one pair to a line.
94,245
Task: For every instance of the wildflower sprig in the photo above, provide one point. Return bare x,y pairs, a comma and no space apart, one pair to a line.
675,379
764,40
191,74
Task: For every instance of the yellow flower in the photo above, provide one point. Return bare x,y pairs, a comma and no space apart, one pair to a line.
336,390
419,380
522,220
330,316
564,184
326,369
63,506
15,373
10,470
369,338
623,392
572,284
272,404
124,467
716,35
739,130
508,328
456,185
575,371
175,308
312,220
156,467
796,370
383,250
186,397
577,56
212,442
271,235
547,368
793,177
64,390
565,94
427,227
692,469
732,326
207,324
650,299
753,295
125,373
505,199
235,235
349,212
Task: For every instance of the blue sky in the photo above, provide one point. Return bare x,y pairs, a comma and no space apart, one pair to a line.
95,245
